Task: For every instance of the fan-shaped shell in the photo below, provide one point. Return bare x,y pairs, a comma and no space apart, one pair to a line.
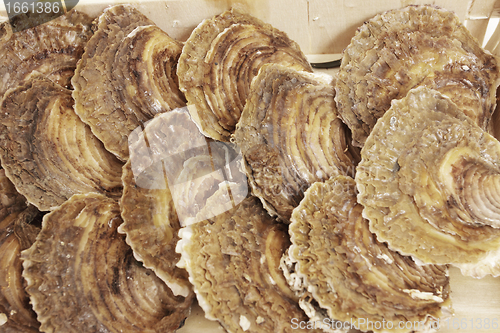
47,151
233,263
409,47
127,74
428,179
349,273
82,276
290,137
219,61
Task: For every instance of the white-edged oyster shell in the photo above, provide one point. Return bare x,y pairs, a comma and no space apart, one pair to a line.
172,170
82,276
51,49
337,264
429,182
18,230
409,47
233,263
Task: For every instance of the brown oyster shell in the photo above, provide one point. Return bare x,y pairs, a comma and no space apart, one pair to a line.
171,172
47,151
82,276
52,49
219,61
429,180
233,263
18,231
342,266
409,47
126,76
290,137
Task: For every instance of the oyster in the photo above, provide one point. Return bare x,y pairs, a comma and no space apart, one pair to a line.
16,234
47,151
428,180
51,49
414,46
233,264
338,263
171,172
290,137
82,276
126,76
219,61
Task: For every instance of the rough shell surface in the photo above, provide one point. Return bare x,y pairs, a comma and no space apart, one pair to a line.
429,181
127,75
219,61
409,47
233,264
172,170
290,136
82,276
18,230
340,263
51,49
47,151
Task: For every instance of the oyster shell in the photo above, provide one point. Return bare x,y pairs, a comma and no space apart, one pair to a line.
219,61
82,276
428,179
51,49
290,137
171,172
47,151
16,234
339,264
233,264
127,74
10,200
414,46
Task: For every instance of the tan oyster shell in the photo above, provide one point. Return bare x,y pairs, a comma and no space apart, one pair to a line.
127,74
51,49
409,47
219,61
17,232
47,151
233,264
428,179
290,137
82,276
171,172
357,279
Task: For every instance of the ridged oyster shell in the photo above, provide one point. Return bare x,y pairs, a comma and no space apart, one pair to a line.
127,75
233,264
18,230
290,136
173,169
409,47
336,263
51,49
82,276
428,180
219,61
47,151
